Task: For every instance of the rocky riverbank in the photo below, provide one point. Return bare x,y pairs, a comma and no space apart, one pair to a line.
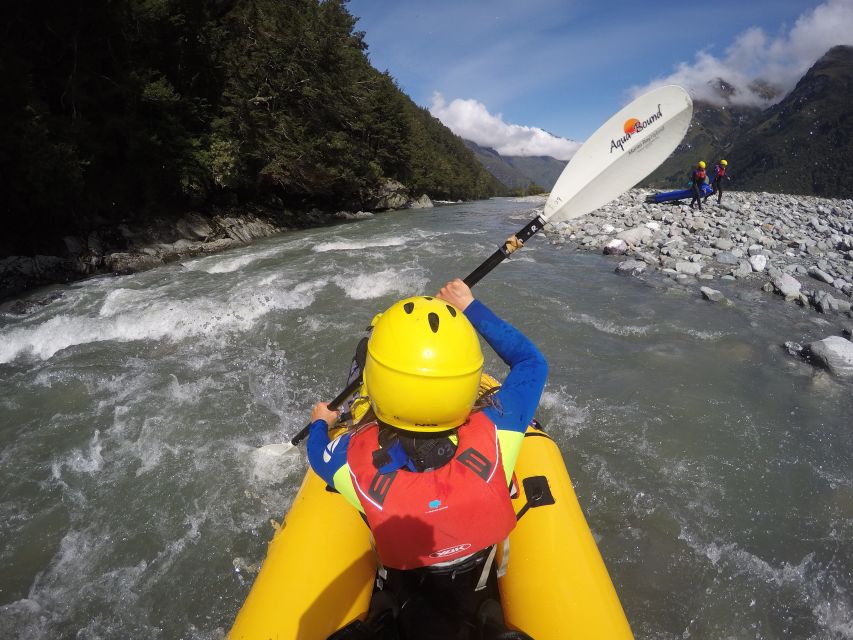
128,248
799,247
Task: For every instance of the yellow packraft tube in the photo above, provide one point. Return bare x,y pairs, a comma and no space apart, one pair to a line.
319,571
556,586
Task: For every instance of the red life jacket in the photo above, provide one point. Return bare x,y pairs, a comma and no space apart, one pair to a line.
699,174
720,171
420,519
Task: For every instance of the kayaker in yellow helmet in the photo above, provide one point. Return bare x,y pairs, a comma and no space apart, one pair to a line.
698,177
720,175
430,473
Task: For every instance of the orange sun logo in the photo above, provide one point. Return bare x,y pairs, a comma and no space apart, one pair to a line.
631,125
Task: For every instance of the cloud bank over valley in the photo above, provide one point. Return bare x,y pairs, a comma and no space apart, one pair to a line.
763,69
471,120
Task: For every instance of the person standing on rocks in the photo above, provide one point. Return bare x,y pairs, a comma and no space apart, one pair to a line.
719,176
697,178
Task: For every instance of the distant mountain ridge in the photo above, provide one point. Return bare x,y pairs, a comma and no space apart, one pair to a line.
802,144
518,172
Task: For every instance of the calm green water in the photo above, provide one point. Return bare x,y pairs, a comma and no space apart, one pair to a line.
714,470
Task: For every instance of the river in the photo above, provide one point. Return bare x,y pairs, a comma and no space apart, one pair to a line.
714,469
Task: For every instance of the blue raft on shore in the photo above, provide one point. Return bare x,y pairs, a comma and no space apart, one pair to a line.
671,196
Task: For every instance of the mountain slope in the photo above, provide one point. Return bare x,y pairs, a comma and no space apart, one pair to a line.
497,165
518,172
800,145
804,144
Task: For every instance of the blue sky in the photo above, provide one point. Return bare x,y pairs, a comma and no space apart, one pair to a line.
496,68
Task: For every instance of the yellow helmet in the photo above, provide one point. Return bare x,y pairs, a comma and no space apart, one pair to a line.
724,163
701,164
423,365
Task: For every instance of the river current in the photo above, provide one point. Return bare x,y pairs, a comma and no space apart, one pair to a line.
714,469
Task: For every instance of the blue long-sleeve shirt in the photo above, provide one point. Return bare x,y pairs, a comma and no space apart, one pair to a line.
512,410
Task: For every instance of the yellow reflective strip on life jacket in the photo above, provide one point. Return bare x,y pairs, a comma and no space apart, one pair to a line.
342,482
510,442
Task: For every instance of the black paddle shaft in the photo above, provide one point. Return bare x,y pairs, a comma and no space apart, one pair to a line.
353,384
352,387
513,243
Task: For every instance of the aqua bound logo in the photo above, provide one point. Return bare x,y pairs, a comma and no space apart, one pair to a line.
633,126
450,551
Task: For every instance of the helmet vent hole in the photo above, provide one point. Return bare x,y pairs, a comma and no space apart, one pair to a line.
452,310
433,322
427,298
408,307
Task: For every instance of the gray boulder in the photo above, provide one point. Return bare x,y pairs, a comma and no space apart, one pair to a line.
787,285
390,194
833,353
820,274
616,247
712,294
421,203
727,257
688,268
758,262
631,268
636,236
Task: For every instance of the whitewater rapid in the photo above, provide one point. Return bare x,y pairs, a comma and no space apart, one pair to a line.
134,501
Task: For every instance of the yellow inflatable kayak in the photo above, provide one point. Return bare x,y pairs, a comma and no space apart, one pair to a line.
319,572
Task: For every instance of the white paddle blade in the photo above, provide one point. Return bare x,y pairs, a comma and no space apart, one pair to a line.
623,151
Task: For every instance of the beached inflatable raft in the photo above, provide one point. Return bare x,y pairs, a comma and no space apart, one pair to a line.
319,572
681,194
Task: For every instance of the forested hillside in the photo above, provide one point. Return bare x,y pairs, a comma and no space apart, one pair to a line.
133,108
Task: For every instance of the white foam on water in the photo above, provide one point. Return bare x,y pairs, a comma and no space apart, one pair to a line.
367,286
269,465
809,579
88,461
358,245
607,326
316,324
68,583
152,314
568,418
234,261
705,336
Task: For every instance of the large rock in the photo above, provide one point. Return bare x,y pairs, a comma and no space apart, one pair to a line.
636,236
616,247
421,203
834,353
194,226
727,257
390,194
631,268
688,268
758,262
712,294
787,285
130,262
820,274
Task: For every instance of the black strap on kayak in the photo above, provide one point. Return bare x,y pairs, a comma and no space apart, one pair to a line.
538,493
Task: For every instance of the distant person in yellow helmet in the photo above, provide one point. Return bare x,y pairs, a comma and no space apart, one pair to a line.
697,178
430,473
720,175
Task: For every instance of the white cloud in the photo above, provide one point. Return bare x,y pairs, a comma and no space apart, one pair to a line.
780,61
471,120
